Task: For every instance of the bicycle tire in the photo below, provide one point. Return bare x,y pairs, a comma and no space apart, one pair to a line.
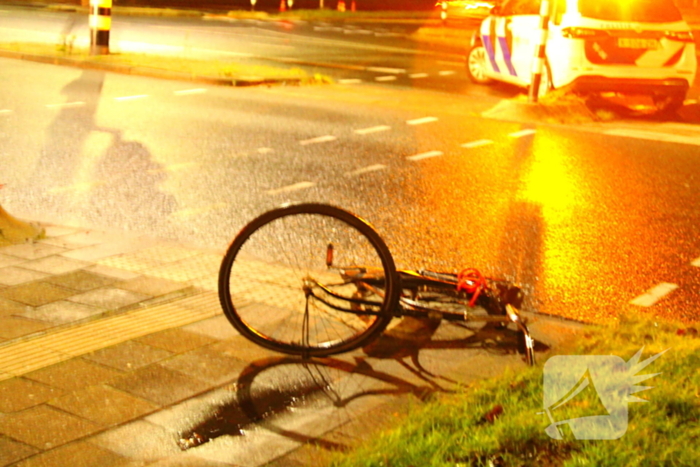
265,275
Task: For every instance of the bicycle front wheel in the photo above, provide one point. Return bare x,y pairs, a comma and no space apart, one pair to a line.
292,281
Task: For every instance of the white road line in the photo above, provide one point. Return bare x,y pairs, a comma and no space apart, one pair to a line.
521,133
654,294
424,155
364,170
66,105
420,121
449,63
349,81
319,139
379,69
446,72
655,136
387,34
385,78
186,92
265,150
129,98
695,262
288,188
477,143
373,129
5,111
418,75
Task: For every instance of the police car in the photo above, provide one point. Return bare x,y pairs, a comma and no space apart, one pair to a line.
635,47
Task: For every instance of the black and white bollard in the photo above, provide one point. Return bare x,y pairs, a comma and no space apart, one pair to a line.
539,61
100,24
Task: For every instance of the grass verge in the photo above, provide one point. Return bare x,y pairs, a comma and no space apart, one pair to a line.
213,68
500,422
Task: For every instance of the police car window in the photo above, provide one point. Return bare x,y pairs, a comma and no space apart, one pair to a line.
646,11
521,7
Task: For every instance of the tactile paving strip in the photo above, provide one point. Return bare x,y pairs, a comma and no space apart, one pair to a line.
29,355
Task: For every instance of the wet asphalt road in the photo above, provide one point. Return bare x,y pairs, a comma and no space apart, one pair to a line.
587,217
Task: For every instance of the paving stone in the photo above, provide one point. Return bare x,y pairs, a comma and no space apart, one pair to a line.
159,384
55,265
31,250
187,269
18,394
139,440
12,327
241,348
13,275
109,297
74,374
153,286
12,451
129,262
6,260
115,273
45,427
9,307
217,327
128,356
104,251
62,312
82,280
80,454
207,365
176,340
166,253
35,293
104,405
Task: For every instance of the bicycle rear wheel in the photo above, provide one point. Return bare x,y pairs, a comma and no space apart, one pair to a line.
277,289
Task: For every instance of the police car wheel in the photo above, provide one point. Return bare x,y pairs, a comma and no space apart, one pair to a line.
476,65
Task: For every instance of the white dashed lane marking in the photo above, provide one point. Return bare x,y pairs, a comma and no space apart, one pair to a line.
521,133
424,155
373,129
420,121
319,139
446,72
5,111
385,78
349,81
477,143
186,92
131,98
654,294
418,75
294,187
364,170
378,69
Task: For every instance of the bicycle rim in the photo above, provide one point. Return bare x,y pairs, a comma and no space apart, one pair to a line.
274,281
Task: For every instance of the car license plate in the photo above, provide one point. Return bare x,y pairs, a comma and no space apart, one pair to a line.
637,43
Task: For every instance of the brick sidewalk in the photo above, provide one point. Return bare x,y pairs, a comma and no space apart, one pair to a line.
113,348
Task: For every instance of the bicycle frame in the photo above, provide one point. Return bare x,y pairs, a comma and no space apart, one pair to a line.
501,299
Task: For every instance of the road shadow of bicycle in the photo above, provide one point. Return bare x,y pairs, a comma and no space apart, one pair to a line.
307,400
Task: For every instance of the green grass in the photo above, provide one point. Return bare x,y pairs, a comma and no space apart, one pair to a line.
451,430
